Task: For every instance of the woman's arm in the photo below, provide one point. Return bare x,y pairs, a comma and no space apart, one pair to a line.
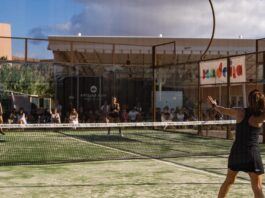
118,107
225,111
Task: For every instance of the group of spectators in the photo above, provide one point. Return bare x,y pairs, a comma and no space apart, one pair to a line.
39,116
106,113
112,112
175,114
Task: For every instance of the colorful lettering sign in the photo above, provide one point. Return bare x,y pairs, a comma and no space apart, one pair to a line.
215,72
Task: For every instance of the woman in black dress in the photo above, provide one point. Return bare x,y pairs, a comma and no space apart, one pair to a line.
114,113
245,153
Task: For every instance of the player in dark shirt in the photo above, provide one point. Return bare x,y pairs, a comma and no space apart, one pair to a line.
245,152
114,113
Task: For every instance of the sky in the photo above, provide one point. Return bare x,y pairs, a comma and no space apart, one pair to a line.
171,18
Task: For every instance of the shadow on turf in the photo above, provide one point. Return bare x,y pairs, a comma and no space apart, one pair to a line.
103,138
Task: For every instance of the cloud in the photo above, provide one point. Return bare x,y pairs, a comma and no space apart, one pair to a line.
44,31
38,32
141,18
240,17
172,18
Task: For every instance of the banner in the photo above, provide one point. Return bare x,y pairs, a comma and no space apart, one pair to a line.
215,72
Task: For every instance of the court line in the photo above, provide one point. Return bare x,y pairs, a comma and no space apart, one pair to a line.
113,185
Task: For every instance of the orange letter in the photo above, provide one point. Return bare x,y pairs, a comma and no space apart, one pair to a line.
239,70
219,70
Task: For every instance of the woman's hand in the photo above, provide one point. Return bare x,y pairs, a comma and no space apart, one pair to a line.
235,113
211,101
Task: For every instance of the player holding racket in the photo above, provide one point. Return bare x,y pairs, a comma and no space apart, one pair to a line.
245,152
114,113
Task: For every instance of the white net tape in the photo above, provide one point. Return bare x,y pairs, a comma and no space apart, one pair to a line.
117,125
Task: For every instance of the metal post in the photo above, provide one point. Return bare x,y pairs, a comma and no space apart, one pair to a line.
77,86
100,93
114,71
174,51
257,61
244,95
199,99
228,131
26,50
154,83
113,54
71,66
55,83
72,53
263,85
220,94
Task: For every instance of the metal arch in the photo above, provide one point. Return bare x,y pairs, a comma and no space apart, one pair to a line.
213,31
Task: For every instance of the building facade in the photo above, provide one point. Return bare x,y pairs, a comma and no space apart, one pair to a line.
123,67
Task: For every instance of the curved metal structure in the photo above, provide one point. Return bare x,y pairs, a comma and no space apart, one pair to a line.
213,31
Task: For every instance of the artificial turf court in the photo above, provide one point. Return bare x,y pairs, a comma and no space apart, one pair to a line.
142,163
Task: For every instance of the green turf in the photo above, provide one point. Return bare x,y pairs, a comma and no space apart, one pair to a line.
119,179
51,147
191,165
42,147
158,144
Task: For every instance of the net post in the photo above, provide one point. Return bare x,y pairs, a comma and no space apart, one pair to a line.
154,83
228,129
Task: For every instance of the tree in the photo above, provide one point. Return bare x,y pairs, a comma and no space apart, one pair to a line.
25,78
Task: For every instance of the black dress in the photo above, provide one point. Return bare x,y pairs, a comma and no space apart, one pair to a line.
245,152
114,111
